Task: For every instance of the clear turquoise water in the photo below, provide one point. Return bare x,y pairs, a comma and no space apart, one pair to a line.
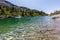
10,24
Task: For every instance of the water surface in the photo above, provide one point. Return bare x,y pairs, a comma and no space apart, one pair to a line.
11,24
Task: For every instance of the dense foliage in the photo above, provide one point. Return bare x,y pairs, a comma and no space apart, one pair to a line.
19,11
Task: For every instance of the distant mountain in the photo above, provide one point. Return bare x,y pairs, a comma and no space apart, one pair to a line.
6,3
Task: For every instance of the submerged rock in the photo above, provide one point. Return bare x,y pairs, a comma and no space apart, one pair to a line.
55,17
39,34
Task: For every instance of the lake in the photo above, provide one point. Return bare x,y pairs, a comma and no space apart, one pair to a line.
28,28
11,24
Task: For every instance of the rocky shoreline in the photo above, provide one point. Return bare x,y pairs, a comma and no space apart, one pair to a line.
50,32
9,16
55,16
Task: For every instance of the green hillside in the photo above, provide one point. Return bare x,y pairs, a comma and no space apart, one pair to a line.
20,11
9,10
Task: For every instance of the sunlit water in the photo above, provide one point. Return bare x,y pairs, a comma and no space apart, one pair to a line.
22,27
11,24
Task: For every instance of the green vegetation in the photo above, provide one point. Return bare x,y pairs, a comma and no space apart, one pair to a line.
14,11
55,13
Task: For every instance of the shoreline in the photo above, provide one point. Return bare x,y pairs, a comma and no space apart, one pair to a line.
51,32
57,17
9,16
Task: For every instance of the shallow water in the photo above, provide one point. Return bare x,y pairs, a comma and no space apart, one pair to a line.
29,28
11,24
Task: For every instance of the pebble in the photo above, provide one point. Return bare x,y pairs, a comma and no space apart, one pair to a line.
31,34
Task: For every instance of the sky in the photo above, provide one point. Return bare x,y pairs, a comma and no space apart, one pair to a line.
47,6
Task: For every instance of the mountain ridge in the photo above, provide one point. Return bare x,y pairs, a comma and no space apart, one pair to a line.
6,3
9,10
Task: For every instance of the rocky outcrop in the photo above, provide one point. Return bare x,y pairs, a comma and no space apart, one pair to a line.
55,16
9,16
